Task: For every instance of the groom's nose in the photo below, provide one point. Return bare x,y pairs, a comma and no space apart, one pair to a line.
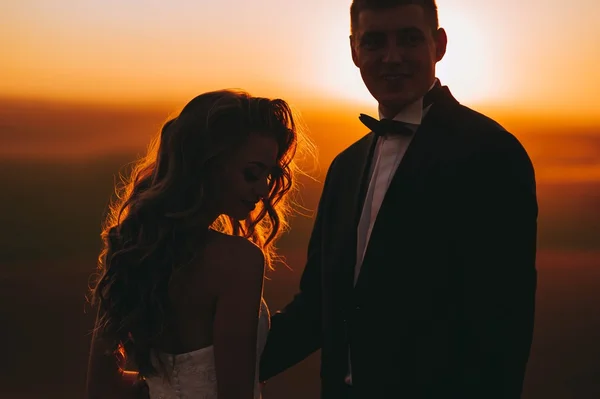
394,53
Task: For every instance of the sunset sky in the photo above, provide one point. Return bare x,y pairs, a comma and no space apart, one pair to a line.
84,84
531,56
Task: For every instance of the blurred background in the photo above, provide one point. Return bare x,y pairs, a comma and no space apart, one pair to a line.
85,83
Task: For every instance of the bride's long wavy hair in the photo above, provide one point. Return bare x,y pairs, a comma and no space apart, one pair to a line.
149,229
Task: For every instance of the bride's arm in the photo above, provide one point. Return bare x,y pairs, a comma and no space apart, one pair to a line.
106,376
236,322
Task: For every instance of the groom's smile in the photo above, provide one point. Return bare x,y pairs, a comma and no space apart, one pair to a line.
396,50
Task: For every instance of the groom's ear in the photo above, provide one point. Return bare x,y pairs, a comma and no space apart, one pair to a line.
441,42
353,50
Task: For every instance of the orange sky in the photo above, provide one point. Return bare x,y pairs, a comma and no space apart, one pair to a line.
530,65
528,57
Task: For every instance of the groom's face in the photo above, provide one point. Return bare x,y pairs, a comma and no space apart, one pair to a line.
396,50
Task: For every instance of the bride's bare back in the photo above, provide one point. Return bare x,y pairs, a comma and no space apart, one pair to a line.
219,324
198,289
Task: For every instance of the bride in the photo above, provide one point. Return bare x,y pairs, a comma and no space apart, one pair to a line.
179,295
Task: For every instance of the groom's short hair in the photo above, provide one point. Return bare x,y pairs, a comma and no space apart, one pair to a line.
429,6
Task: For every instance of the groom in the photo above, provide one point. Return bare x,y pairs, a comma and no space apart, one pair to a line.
420,279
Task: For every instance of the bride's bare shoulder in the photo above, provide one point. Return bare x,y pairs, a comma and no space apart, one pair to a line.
234,254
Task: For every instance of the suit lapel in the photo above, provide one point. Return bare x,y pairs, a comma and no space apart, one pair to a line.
364,177
421,154
359,182
423,151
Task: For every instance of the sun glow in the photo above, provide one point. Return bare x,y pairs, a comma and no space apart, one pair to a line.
467,67
125,52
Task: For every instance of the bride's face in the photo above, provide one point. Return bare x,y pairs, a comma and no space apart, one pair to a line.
243,180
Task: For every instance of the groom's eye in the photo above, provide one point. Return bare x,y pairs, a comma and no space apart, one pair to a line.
372,40
411,38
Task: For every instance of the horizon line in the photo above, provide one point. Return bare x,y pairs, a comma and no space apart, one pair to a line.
312,103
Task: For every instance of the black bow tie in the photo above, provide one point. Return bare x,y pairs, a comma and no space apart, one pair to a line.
385,126
392,127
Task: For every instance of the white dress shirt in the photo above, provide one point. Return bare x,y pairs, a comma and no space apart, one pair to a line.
389,151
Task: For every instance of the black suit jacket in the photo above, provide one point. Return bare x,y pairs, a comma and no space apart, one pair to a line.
444,304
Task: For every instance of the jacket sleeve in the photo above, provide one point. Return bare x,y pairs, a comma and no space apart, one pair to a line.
296,330
496,253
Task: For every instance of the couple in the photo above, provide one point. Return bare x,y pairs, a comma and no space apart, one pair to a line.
420,276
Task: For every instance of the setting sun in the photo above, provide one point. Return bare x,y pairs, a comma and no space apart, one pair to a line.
478,79
472,81
139,52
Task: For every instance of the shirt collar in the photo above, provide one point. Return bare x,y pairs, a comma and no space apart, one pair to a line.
412,113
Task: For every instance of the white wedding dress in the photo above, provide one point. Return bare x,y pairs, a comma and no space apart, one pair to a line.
194,375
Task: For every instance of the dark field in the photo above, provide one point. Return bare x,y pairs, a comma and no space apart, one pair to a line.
45,332
51,215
